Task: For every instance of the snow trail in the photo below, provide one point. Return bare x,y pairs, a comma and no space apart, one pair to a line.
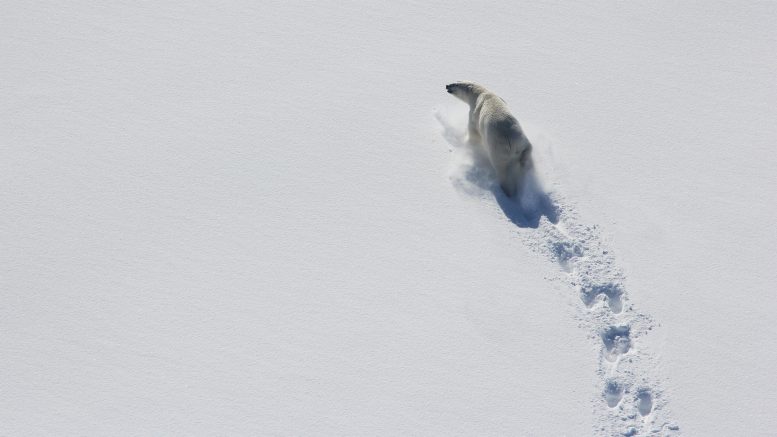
632,400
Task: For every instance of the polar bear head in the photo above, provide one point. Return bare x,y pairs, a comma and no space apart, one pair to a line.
466,91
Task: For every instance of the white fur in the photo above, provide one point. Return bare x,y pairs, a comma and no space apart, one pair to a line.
491,124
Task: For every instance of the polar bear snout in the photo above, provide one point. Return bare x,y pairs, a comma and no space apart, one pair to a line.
464,91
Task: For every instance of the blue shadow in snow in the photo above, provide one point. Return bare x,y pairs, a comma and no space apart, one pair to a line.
526,210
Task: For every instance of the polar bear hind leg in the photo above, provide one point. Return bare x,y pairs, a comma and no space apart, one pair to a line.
511,179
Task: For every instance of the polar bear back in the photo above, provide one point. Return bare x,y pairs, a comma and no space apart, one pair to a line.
498,128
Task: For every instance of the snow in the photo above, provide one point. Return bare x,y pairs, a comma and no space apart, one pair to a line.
264,219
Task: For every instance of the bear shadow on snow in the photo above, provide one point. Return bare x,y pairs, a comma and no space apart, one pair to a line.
526,209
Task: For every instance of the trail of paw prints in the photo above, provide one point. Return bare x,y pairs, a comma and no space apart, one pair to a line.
632,401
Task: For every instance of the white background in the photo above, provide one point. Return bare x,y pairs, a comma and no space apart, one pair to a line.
238,218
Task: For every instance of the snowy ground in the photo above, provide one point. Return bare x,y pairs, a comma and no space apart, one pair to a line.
264,219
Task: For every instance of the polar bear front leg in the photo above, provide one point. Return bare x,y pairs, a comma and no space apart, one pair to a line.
474,130
474,133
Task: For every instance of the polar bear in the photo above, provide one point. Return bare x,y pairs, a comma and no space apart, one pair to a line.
491,124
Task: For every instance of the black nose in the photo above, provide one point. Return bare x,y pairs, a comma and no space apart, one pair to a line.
449,88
